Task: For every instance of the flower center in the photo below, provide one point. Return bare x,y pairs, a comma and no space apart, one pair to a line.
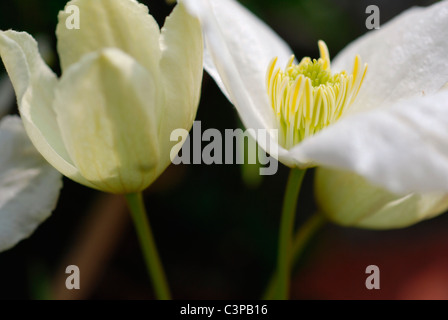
306,97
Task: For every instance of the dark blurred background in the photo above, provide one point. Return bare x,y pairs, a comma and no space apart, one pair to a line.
216,226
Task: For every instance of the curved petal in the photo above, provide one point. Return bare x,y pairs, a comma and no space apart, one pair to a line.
239,48
105,108
181,68
34,84
403,148
407,57
348,199
29,186
123,24
181,71
407,211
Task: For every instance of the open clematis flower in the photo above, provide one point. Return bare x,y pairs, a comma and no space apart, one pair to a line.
125,85
29,186
388,124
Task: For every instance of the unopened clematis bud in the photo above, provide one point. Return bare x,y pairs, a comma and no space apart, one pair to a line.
388,124
349,200
125,86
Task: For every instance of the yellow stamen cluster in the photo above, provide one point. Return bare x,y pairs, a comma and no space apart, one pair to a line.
306,97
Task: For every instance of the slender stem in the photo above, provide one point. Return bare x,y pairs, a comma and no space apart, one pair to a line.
304,234
286,230
301,238
153,264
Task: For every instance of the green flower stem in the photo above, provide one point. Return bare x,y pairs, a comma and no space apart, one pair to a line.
153,264
286,231
301,238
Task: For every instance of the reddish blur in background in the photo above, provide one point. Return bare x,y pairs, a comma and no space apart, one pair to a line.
216,226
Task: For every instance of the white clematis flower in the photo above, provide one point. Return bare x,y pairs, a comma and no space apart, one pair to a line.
125,86
394,132
29,186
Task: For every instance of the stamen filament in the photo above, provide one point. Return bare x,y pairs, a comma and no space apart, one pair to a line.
306,97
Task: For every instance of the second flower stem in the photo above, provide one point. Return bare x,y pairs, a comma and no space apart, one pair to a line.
147,243
299,243
286,232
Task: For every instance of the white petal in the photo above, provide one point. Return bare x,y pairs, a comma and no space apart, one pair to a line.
123,24
349,200
34,84
407,57
407,211
181,72
105,108
403,148
29,186
239,47
181,67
